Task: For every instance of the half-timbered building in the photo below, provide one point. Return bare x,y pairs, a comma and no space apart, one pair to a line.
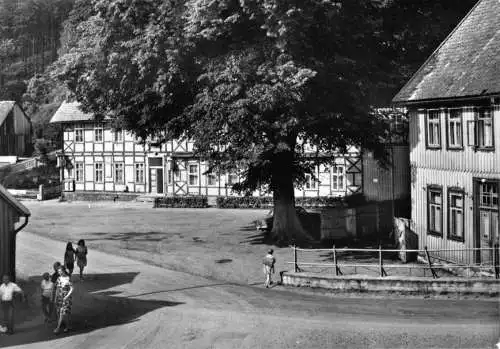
102,160
454,111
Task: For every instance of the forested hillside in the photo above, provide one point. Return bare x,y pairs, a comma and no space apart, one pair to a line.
40,40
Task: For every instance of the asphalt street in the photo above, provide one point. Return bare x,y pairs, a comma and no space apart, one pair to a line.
128,304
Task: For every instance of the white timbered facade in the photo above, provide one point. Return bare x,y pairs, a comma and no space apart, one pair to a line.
102,160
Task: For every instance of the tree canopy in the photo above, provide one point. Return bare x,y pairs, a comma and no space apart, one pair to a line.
250,82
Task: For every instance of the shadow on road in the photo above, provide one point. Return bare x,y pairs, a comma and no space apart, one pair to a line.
91,310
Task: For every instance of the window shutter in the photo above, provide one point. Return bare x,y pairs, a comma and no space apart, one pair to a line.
471,133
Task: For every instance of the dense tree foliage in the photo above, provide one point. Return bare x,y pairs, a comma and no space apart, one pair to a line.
251,82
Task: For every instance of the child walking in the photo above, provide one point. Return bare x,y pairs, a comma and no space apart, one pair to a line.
81,257
268,263
47,288
69,258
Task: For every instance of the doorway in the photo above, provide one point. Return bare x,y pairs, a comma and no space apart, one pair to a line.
156,180
487,211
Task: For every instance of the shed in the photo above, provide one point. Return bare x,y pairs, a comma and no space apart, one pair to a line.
11,210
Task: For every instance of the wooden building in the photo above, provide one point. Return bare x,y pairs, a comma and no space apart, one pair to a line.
454,109
102,160
15,130
11,210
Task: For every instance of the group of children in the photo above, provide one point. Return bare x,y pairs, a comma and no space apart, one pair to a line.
56,291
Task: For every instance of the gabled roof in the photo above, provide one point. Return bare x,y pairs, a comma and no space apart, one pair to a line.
466,64
5,108
71,112
12,201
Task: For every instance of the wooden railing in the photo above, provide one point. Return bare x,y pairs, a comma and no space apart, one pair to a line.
479,260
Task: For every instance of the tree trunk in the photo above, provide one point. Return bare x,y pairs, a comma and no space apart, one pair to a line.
286,225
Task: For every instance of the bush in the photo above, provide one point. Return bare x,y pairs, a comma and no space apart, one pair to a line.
267,202
244,202
181,201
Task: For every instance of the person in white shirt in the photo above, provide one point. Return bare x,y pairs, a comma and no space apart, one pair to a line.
7,290
47,288
268,263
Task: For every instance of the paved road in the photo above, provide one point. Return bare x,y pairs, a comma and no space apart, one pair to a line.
128,304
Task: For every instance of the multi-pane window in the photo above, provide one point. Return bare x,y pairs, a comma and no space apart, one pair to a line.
310,182
98,134
119,173
456,215
435,210
338,178
433,128
193,174
211,179
78,134
118,136
99,172
79,172
139,173
454,129
484,129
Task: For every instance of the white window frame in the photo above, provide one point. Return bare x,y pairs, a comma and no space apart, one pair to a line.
139,172
433,128
484,116
79,172
79,134
336,176
194,176
99,172
119,172
454,129
435,211
98,131
456,215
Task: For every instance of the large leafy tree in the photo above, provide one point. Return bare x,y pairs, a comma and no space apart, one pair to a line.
250,81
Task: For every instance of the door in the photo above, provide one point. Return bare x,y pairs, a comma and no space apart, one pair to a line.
487,217
156,180
159,181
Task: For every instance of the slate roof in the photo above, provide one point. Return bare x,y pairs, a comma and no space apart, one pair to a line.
466,64
70,112
12,201
5,108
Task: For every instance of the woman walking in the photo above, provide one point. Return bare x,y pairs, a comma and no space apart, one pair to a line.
64,300
69,258
81,257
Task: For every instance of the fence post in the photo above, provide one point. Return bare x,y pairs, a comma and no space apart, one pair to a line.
296,267
380,261
434,275
496,258
337,269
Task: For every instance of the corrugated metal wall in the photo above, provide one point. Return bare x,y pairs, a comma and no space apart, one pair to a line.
8,218
381,184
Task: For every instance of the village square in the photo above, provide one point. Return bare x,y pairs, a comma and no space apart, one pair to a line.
249,174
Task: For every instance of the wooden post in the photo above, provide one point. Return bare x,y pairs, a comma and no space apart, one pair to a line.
337,269
380,261
434,275
296,267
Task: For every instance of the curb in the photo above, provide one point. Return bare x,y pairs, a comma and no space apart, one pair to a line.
391,284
